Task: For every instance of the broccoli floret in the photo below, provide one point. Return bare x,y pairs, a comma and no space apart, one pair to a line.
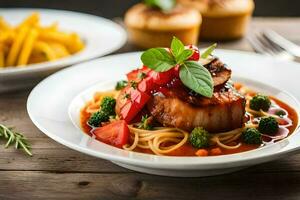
108,105
280,113
251,136
145,123
98,117
199,138
107,110
260,102
121,84
268,125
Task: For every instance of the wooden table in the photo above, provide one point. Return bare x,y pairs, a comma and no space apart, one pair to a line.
56,172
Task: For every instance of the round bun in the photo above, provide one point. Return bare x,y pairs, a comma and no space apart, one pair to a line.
149,27
230,16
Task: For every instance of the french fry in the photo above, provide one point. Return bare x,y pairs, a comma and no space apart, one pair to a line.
37,58
32,20
2,59
3,25
53,27
16,46
45,49
55,36
75,44
29,42
59,49
27,48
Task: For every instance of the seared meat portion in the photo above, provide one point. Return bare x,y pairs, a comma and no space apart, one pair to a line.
219,71
224,111
175,105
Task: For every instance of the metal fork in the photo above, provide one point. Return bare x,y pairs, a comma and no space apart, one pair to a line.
261,44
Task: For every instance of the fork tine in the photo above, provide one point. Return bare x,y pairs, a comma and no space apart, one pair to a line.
263,45
280,53
272,44
266,45
257,46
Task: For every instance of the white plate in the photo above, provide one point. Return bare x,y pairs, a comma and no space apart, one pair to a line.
54,105
101,37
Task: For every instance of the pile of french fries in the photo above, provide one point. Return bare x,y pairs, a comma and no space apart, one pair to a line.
29,42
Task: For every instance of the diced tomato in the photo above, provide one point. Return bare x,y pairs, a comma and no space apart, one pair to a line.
135,103
196,54
161,78
115,133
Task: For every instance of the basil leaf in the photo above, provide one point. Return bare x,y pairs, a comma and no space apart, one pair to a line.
184,56
197,78
177,47
158,59
208,51
164,5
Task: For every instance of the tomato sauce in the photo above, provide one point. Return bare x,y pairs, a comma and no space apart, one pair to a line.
187,149
84,118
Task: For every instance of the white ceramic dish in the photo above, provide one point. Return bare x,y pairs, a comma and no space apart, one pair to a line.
54,106
101,37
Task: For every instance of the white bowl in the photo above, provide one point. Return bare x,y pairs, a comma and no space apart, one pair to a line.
101,37
54,106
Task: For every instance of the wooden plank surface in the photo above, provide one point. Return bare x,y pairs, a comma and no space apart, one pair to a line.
56,172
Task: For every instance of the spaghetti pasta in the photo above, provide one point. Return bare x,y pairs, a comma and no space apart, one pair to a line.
166,140
94,104
157,139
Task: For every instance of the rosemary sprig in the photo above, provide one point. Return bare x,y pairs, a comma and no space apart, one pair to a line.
14,137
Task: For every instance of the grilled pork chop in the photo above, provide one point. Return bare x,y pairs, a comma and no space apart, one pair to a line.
224,111
182,108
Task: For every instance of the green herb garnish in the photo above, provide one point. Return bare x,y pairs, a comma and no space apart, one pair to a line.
145,124
164,5
121,84
192,73
133,84
126,96
14,137
208,51
141,75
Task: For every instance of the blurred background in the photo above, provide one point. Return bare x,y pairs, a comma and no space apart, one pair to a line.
117,8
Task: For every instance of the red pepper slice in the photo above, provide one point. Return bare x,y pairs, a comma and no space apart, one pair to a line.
134,105
146,85
133,75
161,78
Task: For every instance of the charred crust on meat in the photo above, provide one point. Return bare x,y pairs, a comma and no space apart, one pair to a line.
219,71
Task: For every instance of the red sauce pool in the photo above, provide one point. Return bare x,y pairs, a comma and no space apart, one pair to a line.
187,149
